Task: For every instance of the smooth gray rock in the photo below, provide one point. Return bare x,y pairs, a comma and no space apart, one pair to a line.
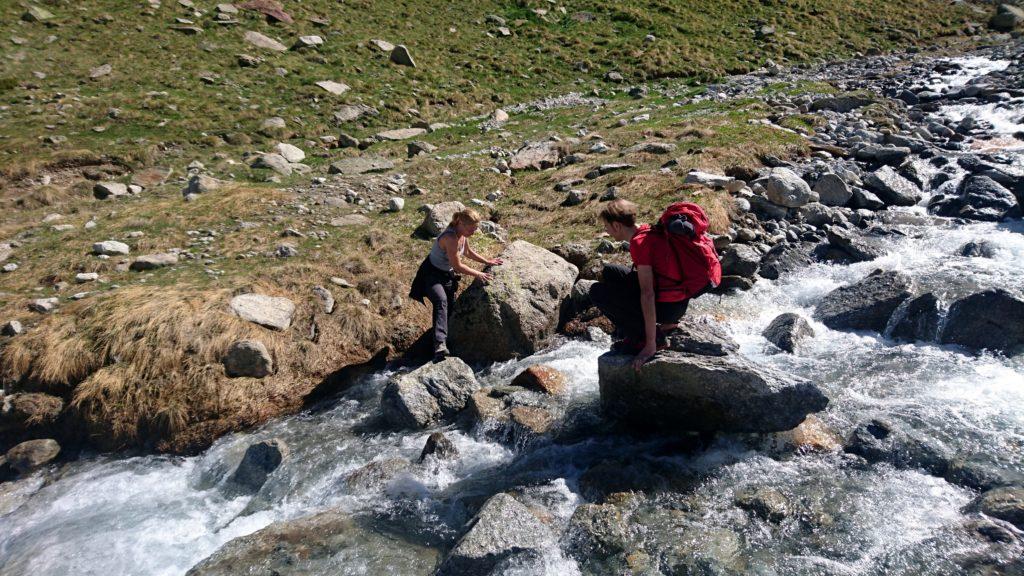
992,319
517,312
274,162
265,42
248,358
437,217
878,154
679,391
537,156
891,188
978,249
400,55
787,330
111,248
154,261
201,184
260,460
786,188
865,305
104,190
270,311
429,394
502,528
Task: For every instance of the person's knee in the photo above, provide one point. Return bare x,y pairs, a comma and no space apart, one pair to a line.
599,294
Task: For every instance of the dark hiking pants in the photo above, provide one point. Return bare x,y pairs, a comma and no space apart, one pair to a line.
617,296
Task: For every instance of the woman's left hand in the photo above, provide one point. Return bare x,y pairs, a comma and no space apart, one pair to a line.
643,356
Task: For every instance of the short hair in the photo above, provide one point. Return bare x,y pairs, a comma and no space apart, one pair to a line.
621,211
466,216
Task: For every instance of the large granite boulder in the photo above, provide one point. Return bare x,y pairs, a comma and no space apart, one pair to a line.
892,188
501,529
992,319
517,311
682,389
977,198
260,460
429,394
865,305
319,544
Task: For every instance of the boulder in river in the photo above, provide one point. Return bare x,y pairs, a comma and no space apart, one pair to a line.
787,330
32,454
865,305
978,249
318,544
259,461
920,321
685,391
883,441
541,378
992,319
429,394
1005,503
847,247
517,311
978,198
502,528
439,447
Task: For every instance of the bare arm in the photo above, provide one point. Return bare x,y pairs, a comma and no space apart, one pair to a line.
646,277
450,244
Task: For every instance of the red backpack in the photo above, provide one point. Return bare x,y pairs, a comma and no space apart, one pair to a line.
683,227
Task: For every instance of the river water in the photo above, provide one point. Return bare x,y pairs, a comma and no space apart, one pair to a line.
161,515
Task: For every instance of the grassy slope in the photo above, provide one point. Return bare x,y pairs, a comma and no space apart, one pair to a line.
138,363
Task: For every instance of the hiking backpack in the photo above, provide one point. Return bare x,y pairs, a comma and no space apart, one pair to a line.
683,226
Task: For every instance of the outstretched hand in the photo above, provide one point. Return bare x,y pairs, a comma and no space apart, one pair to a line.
495,262
643,356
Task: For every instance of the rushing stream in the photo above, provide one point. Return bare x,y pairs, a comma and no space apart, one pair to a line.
161,515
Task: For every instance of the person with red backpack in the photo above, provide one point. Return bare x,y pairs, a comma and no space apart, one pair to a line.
674,261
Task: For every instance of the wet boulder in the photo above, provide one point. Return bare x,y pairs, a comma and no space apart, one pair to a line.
992,320
598,532
978,198
1005,503
892,188
978,249
920,321
878,154
901,446
682,391
259,461
318,544
376,474
865,305
766,503
515,313
786,188
440,447
502,528
429,394
541,378
846,247
512,415
785,257
787,330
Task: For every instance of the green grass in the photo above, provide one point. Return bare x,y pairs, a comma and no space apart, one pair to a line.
156,86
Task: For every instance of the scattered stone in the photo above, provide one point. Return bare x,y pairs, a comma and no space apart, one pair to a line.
360,165
787,330
151,177
740,260
248,358
270,311
11,328
350,112
992,319
290,153
537,156
104,190
325,298
524,298
400,55
43,305
979,198
501,529
400,134
269,8
382,45
706,179
154,261
37,14
311,41
1006,18
878,154
429,394
274,162
260,460
766,503
842,104
83,277
100,71
440,447
29,410
541,378
978,249
351,220
201,184
882,441
396,204
417,147
111,248
832,190
260,41
865,305
336,88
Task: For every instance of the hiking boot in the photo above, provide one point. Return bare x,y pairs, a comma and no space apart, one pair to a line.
441,352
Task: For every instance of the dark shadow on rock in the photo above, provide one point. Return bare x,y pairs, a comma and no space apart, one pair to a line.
340,380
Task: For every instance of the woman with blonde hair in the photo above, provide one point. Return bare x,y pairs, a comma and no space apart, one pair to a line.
438,275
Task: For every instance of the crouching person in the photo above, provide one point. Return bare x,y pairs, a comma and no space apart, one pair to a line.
438,276
674,261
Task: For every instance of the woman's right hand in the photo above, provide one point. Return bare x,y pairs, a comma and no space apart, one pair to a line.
484,277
